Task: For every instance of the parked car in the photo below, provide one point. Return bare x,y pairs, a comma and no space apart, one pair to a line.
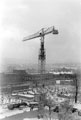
33,105
16,105
74,110
12,106
56,109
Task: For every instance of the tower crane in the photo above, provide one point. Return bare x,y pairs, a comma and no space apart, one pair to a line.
41,34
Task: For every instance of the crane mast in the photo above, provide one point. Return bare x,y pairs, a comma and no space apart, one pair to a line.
42,55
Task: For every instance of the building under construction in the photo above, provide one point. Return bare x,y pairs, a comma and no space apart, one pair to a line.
19,80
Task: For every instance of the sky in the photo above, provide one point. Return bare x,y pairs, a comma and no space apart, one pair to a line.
20,18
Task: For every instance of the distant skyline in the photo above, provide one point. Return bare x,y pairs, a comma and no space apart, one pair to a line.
20,18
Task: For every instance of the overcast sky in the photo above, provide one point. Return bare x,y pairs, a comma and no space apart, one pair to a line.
20,18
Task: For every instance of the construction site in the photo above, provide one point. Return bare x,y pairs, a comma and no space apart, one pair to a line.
40,60
43,95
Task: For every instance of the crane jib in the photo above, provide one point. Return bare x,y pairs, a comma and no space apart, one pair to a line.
42,33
